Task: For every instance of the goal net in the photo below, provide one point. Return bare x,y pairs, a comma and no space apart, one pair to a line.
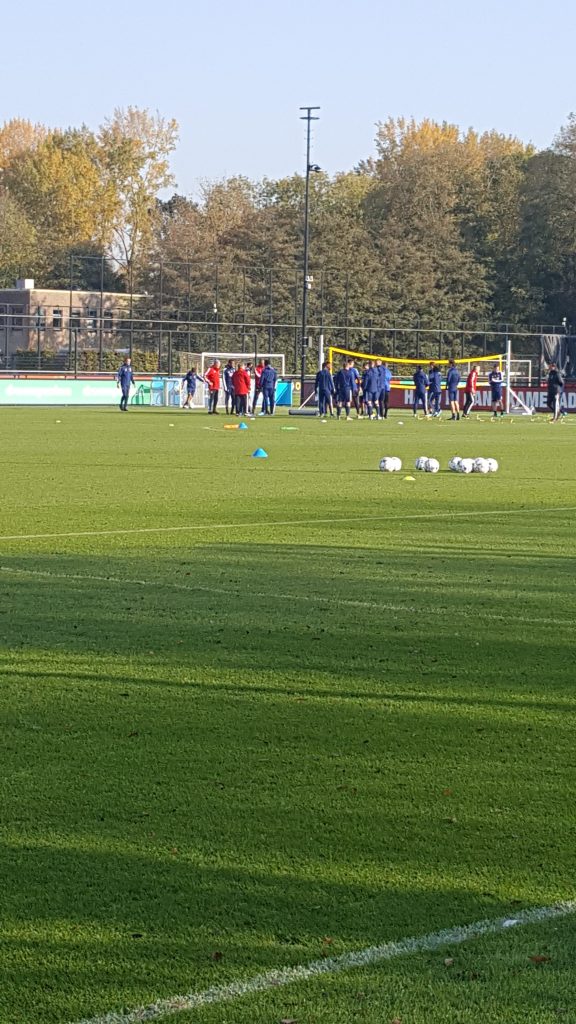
403,369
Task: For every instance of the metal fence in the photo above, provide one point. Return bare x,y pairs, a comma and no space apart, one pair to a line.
93,343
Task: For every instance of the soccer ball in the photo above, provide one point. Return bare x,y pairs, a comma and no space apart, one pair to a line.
421,462
481,466
432,466
466,466
454,463
492,465
388,464
397,463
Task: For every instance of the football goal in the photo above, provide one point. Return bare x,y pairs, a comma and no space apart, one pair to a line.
277,359
402,369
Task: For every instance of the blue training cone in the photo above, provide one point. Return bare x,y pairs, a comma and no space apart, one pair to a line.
242,426
259,454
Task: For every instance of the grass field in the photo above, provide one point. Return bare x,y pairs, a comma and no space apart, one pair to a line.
258,713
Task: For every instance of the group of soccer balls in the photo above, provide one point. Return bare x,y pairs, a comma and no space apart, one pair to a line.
391,464
458,465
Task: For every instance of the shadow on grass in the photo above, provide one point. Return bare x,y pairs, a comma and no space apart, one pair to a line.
192,770
94,930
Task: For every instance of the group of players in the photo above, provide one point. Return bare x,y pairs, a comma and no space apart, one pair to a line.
236,381
369,392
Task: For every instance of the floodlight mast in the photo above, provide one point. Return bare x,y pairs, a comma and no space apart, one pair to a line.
307,282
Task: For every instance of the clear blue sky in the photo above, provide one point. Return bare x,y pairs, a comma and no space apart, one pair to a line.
234,73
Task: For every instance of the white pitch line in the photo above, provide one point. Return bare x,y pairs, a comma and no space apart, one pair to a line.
331,965
262,524
338,602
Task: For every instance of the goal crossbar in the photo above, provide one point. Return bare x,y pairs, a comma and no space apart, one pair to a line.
396,361
274,357
497,357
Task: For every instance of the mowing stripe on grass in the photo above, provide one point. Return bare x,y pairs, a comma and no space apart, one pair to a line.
331,965
261,524
338,602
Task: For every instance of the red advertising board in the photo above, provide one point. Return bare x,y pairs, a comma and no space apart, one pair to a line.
533,397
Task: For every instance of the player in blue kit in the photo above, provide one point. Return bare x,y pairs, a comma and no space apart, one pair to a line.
434,389
385,383
189,380
452,382
355,387
344,385
227,375
268,379
496,380
324,388
371,389
420,384
124,380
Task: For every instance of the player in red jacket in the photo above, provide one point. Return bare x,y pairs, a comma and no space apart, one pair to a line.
470,391
241,383
212,378
257,385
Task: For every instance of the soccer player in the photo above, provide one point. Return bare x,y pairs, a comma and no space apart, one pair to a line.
371,388
452,382
212,378
420,384
227,374
124,379
241,384
344,384
385,383
268,379
495,380
555,388
355,378
434,389
189,379
324,388
258,370
470,391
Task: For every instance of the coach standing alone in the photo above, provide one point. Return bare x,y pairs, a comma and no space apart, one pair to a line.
124,380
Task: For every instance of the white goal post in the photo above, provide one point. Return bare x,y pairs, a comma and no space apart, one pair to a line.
514,403
277,359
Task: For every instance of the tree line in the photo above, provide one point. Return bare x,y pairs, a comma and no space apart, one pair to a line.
439,226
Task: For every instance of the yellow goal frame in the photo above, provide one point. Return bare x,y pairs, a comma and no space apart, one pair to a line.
332,350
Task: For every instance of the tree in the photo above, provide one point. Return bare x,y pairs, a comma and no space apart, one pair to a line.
134,147
58,186
18,244
18,136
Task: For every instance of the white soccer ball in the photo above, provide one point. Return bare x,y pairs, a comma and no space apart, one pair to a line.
492,465
397,463
387,464
421,462
454,463
432,466
481,466
466,466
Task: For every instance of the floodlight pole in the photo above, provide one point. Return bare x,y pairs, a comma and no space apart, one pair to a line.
306,283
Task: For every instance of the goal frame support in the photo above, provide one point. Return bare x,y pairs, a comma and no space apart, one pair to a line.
510,393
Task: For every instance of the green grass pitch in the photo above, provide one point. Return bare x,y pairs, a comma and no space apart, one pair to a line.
259,712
